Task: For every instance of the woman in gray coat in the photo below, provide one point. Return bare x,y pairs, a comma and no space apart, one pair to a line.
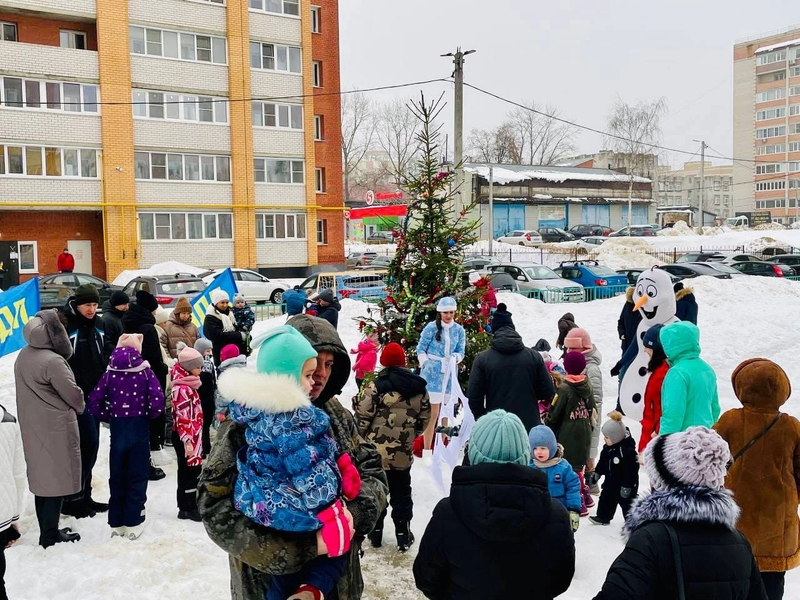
48,404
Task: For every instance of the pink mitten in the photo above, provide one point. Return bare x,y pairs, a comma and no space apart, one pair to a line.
335,529
351,480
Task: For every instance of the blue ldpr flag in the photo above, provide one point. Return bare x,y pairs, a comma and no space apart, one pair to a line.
201,302
17,306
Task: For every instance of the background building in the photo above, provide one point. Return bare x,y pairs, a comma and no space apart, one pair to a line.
766,124
204,131
679,190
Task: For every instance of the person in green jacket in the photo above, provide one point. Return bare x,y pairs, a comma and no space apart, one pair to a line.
689,396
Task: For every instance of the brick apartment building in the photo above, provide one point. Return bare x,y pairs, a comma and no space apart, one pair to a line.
203,131
766,125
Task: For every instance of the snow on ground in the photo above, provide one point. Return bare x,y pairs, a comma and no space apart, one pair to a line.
624,253
166,268
739,319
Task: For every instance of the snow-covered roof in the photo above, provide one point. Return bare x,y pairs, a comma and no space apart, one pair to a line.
777,46
512,173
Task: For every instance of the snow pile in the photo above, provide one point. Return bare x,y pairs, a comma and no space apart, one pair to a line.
769,227
508,174
624,253
680,228
166,268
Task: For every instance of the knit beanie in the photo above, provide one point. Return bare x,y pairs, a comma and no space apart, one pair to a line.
502,318
284,351
228,352
146,300
393,355
131,340
614,429
499,437
651,339
162,315
183,306
118,297
202,344
86,294
542,435
326,295
238,297
218,295
574,363
578,339
697,456
542,346
190,359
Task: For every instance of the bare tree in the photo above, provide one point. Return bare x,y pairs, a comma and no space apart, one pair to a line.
635,131
540,139
396,129
358,132
497,146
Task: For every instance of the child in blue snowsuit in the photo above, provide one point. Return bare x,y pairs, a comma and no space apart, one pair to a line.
245,318
562,480
290,478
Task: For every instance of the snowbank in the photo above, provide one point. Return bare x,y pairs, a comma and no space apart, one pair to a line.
166,268
680,228
624,253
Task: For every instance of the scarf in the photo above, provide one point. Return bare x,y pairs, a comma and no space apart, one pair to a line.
192,381
228,320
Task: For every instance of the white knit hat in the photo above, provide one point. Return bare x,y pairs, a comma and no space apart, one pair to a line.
218,295
698,457
447,304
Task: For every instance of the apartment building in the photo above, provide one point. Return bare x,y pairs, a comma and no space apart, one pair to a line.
139,131
766,125
681,189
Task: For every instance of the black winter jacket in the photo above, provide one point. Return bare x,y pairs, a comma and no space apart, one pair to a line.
214,331
89,352
509,376
499,535
619,465
716,559
112,326
140,320
330,313
628,322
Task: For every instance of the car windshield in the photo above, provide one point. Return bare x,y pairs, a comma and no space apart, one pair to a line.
722,268
540,272
181,287
601,270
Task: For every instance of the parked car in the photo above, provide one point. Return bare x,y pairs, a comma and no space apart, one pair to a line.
737,258
532,276
776,251
56,288
166,288
691,257
590,242
522,237
636,231
764,269
689,270
554,234
349,284
591,274
722,268
380,237
500,281
359,259
633,274
379,263
793,260
583,230
255,287
479,262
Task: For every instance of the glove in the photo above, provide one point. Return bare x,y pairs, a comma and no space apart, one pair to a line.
574,520
335,530
417,446
351,480
591,477
616,369
625,493
427,458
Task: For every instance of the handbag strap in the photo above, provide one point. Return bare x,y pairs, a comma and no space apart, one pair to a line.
749,444
676,557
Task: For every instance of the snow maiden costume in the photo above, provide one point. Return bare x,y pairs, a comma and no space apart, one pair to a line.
438,344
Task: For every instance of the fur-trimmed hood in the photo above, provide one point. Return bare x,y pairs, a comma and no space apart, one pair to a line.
688,504
45,331
264,392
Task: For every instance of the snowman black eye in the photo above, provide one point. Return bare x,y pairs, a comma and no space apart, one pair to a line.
640,290
652,291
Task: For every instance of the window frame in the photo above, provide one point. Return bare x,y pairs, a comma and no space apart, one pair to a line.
280,223
62,152
316,73
320,186
180,38
173,218
283,3
770,132
291,170
72,36
183,101
3,25
45,86
276,49
35,246
316,19
277,115
322,232
319,128
217,161
767,114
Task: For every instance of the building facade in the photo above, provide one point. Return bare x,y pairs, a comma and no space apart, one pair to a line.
139,131
531,197
766,125
680,190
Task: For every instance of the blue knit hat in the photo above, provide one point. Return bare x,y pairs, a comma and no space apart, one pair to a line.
542,435
651,339
283,351
499,437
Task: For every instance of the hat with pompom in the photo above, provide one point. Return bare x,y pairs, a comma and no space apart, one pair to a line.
614,429
499,437
695,457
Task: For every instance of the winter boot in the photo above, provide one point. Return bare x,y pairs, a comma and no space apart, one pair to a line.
119,532
586,496
191,515
404,536
376,537
61,536
80,509
98,507
135,532
598,521
155,473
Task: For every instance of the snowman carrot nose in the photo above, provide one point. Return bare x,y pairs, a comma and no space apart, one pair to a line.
640,303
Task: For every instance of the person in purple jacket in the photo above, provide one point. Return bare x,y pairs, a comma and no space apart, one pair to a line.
128,396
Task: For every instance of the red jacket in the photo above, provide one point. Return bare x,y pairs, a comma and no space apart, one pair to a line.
65,262
187,412
367,358
652,405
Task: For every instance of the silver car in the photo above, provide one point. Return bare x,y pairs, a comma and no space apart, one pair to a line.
543,281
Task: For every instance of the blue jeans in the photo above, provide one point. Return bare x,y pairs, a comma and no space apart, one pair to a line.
129,467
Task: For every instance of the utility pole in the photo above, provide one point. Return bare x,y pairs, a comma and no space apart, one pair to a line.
702,181
491,207
458,125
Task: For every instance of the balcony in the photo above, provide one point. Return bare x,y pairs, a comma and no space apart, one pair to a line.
50,127
278,142
269,84
275,28
56,8
168,74
179,15
48,61
181,135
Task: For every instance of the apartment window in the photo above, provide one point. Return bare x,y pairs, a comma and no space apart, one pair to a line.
183,226
794,128
273,57
181,167
271,226
716,184
278,170
768,186
29,93
794,146
319,180
45,161
794,184
28,257
768,132
770,77
726,200
179,107
771,57
72,39
771,149
322,231
316,22
770,113
317,68
794,166
8,32
283,116
794,91
770,95
178,45
319,129
716,200
763,169
794,72
281,7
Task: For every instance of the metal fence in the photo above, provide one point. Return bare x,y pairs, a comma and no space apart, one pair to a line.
267,311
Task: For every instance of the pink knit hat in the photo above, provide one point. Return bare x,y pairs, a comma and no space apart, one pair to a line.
578,339
131,340
229,351
190,359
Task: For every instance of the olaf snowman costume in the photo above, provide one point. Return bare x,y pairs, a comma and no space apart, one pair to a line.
654,298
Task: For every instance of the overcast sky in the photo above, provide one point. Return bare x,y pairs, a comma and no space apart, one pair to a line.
576,54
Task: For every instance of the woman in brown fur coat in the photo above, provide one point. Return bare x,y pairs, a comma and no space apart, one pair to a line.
765,478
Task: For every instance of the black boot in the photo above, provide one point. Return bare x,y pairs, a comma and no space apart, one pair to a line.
100,507
155,472
376,537
404,536
63,535
80,509
191,515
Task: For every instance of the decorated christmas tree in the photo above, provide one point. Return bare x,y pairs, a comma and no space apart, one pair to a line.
430,253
